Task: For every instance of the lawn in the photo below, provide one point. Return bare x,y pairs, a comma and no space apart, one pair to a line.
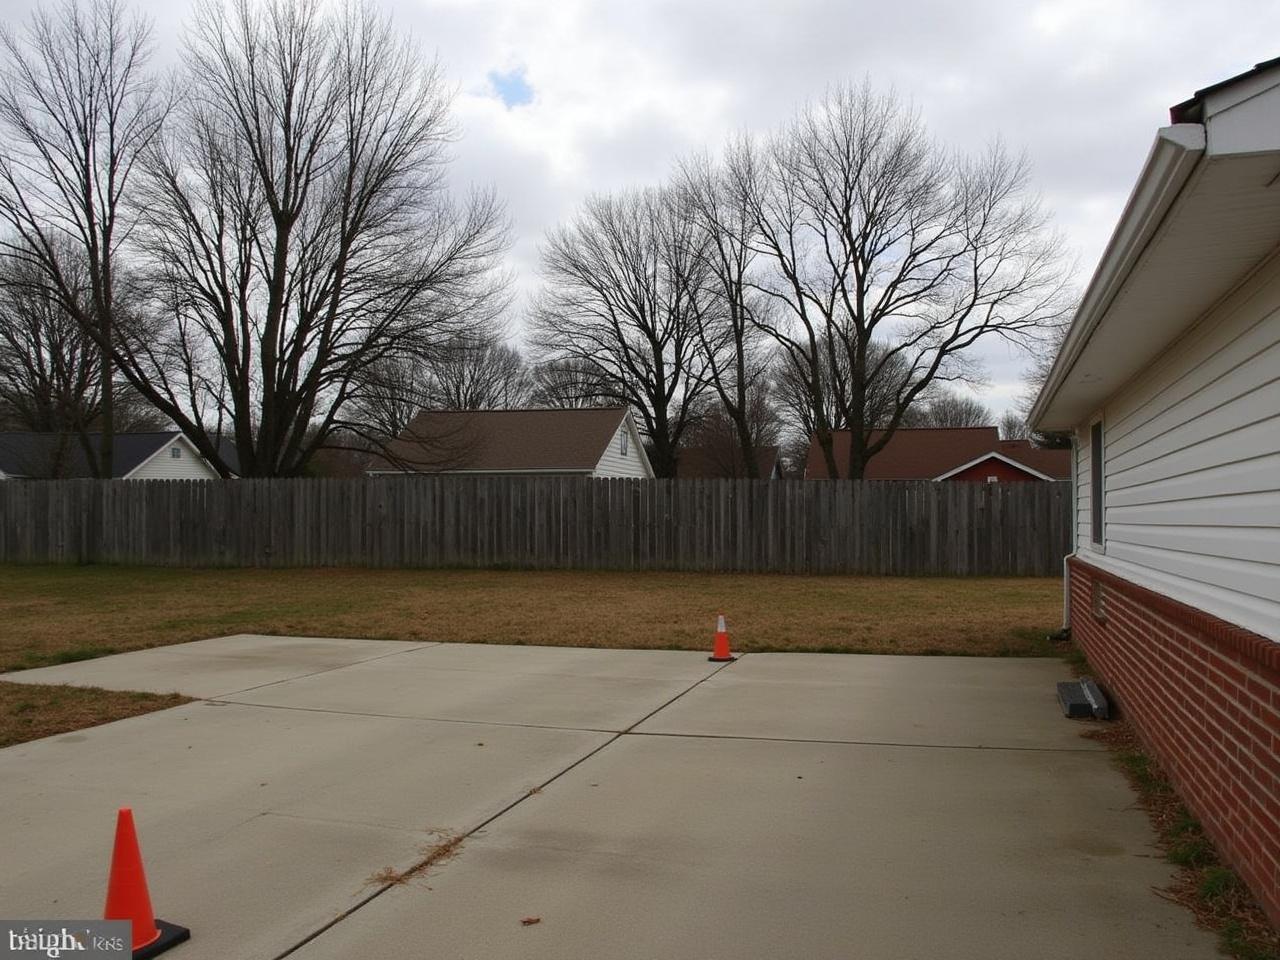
60,614
29,711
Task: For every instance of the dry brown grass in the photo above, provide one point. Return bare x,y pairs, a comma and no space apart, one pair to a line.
57,614
444,847
30,711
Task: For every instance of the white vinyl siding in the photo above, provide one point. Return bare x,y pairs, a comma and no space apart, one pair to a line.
1084,496
1192,465
162,465
613,463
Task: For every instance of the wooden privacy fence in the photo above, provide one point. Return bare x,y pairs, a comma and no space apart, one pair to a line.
788,526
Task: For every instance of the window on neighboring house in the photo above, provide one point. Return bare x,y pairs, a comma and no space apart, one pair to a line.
175,453
622,442
1095,481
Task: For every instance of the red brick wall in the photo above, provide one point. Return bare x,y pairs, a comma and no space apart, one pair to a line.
1205,697
992,468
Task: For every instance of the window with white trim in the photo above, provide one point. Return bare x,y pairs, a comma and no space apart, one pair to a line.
622,442
175,453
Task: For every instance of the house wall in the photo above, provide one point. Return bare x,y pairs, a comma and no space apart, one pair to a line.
1192,466
614,464
1002,471
1204,695
162,466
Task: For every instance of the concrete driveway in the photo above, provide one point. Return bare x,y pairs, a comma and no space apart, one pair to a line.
641,804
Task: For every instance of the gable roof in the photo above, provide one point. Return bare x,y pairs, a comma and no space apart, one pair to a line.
929,453
712,463
1037,462
497,441
43,455
1054,464
912,453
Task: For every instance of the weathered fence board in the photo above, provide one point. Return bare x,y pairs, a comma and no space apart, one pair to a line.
790,526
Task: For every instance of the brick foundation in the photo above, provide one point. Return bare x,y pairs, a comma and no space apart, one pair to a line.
1204,696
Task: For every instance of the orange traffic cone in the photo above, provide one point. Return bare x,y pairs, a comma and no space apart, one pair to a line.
720,649
128,899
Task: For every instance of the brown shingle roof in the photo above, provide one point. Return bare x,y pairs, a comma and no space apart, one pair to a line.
712,463
922,453
1052,463
503,440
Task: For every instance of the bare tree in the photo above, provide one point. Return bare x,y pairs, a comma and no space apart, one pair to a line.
717,434
50,375
1035,376
947,408
1013,426
619,301
872,233
478,372
299,237
571,384
804,407
77,110
727,310
383,401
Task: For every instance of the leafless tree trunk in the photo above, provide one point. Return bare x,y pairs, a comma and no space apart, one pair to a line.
796,395
887,254
620,300
77,109
718,436
726,307
297,230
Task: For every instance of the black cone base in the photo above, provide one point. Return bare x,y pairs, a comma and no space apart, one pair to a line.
170,936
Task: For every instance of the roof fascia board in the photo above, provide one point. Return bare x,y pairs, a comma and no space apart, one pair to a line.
993,455
1173,157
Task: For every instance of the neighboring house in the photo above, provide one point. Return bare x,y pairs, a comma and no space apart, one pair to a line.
946,453
1169,377
593,442
714,463
163,455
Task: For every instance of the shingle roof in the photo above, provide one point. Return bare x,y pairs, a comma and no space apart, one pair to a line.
1050,462
708,462
922,453
569,441
42,455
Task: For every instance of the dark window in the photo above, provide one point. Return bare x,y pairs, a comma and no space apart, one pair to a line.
1095,480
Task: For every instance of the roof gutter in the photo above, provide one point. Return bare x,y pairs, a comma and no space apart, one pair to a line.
1173,157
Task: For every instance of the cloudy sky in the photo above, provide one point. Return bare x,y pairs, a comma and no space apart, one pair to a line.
557,98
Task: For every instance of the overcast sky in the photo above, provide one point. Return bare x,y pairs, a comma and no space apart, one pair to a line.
557,98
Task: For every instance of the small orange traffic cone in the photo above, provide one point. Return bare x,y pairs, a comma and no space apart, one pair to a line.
128,899
720,649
